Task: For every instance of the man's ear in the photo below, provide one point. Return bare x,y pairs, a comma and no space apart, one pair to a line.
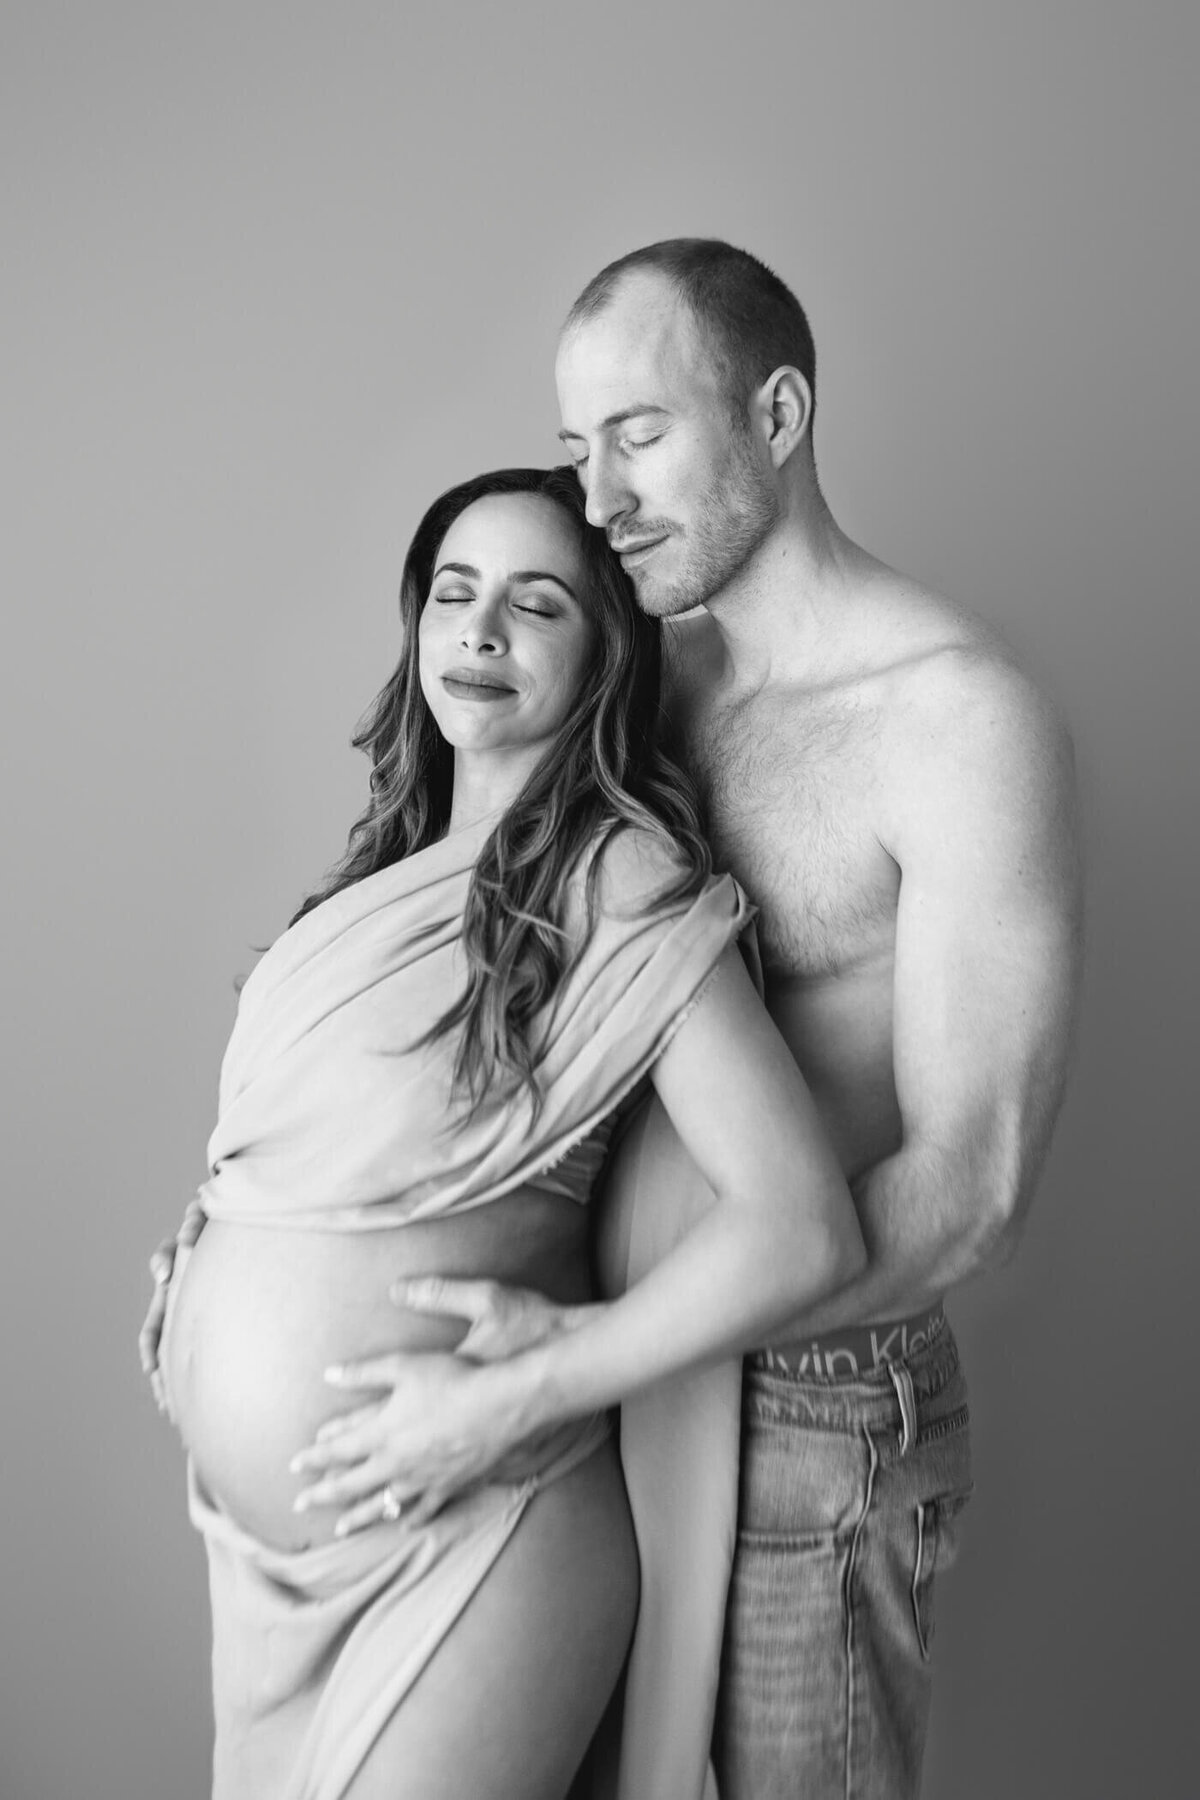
784,406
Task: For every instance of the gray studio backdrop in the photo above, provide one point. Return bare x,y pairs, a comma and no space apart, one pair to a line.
273,276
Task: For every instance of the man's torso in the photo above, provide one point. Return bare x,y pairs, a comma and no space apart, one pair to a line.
789,785
799,781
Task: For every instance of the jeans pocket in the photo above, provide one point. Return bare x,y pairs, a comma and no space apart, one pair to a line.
936,1550
800,1490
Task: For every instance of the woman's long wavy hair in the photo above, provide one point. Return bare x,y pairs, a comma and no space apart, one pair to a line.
605,769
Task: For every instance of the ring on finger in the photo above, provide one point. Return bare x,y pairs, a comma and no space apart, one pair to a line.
389,1504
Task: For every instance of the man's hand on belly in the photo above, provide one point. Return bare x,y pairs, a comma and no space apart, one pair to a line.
444,1423
501,1321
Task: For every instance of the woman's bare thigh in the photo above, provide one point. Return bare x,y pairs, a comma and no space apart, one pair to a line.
507,1706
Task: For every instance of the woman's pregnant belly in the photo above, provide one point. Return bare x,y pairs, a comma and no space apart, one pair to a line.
256,1316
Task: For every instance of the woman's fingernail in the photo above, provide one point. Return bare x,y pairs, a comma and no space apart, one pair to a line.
301,1503
335,1372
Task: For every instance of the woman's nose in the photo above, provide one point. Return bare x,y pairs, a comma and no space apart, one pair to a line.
483,630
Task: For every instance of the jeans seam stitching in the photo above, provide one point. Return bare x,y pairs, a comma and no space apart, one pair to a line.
922,1646
940,1428
794,1542
851,1563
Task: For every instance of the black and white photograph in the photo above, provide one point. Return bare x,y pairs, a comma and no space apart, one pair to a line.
601,800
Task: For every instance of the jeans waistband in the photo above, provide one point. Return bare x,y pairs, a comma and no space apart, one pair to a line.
926,1386
855,1351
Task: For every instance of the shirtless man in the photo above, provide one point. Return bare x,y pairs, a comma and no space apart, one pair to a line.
897,798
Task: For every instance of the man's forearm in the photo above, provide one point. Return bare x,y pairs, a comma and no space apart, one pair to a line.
927,1227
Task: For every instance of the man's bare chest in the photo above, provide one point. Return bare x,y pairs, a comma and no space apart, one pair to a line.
791,800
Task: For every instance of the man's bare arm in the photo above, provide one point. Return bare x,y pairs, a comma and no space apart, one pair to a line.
979,814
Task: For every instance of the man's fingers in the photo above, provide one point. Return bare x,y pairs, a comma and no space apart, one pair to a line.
335,1453
343,1489
474,1300
426,1506
367,1512
343,1422
495,1337
374,1372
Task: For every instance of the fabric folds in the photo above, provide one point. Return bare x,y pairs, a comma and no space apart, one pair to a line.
330,1115
333,1116
314,1649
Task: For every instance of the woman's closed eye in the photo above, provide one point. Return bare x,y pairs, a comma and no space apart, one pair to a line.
526,604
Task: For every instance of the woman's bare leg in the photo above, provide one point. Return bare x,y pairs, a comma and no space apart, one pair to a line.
508,1704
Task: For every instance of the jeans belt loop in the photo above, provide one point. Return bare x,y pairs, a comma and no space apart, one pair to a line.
902,1382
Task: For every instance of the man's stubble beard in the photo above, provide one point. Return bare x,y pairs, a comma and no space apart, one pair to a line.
735,514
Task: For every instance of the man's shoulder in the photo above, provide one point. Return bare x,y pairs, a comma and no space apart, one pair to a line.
966,694
968,732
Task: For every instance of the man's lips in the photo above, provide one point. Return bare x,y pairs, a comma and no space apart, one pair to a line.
634,548
474,684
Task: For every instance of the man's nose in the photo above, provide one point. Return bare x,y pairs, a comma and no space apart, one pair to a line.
608,495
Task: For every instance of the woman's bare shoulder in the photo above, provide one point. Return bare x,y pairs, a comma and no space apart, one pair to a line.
629,870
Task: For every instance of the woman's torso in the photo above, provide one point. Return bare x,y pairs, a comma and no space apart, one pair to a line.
258,1314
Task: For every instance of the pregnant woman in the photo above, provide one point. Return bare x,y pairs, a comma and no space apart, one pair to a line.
423,1076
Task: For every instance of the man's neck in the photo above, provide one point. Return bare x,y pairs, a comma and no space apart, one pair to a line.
784,617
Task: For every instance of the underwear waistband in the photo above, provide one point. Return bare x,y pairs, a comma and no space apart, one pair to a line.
854,1350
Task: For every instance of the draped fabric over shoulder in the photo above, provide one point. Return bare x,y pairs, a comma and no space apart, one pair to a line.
334,1117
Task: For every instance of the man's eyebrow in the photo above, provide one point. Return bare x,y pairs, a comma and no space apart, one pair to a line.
643,410
519,576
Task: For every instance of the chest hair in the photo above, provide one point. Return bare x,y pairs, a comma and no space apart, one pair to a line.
788,786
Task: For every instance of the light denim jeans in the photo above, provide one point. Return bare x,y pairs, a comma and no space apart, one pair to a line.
851,1488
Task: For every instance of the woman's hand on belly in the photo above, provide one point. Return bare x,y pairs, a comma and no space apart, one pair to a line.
162,1268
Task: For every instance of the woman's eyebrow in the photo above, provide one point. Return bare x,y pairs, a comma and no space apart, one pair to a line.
523,575
519,576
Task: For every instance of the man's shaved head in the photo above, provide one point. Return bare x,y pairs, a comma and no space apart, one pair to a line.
750,322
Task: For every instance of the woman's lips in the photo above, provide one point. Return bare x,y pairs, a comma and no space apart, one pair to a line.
468,684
